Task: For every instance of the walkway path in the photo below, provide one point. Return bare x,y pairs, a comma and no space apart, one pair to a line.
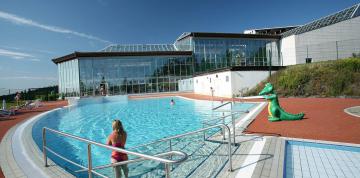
6,124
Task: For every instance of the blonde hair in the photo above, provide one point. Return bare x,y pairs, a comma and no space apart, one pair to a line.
117,126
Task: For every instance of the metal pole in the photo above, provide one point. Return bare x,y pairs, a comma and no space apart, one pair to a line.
337,50
223,130
170,150
167,170
89,161
233,121
229,148
307,51
204,133
233,126
270,55
170,145
44,146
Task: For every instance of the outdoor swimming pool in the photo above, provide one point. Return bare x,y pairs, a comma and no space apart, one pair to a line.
144,120
308,159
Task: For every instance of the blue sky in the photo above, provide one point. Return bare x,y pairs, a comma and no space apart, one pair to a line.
32,32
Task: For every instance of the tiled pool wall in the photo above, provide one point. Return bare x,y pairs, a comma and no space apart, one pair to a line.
309,159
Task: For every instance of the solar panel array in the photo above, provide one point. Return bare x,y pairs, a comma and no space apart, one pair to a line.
139,48
328,20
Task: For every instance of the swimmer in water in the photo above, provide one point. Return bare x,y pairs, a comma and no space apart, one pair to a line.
172,102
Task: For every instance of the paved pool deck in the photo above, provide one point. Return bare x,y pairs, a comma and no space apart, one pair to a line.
325,120
7,123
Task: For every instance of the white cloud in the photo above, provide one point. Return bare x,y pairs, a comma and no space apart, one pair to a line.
27,49
17,55
29,78
23,21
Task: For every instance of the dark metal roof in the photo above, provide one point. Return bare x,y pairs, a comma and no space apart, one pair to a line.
114,54
340,16
226,35
270,31
240,68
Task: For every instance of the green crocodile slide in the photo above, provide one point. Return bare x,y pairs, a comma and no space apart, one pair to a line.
276,113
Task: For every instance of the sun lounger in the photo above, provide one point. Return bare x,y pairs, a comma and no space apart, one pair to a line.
35,104
5,113
30,104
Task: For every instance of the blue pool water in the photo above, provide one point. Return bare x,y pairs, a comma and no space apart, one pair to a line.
144,120
307,159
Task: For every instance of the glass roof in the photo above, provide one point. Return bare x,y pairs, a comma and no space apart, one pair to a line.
139,48
182,35
325,21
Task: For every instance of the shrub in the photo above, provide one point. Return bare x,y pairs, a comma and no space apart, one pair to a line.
325,79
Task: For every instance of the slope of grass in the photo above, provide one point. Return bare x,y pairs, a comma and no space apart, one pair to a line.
321,79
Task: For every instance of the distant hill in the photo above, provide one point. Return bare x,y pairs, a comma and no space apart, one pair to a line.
321,79
45,93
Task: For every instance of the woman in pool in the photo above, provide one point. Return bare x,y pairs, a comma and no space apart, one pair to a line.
172,102
118,139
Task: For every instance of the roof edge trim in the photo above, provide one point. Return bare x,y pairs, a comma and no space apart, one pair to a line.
119,54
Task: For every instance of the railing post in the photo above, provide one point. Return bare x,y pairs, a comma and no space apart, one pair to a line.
233,126
204,132
229,148
167,170
233,121
223,121
89,161
44,146
170,145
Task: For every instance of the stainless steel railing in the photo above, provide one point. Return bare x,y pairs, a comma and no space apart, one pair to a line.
232,113
223,126
91,170
217,107
222,118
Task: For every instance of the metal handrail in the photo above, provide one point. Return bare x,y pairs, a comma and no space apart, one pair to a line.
233,112
217,107
170,153
90,170
223,110
221,117
223,120
223,126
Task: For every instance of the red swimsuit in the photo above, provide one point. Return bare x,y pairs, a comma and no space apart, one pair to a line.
117,155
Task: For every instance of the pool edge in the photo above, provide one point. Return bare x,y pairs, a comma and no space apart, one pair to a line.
23,154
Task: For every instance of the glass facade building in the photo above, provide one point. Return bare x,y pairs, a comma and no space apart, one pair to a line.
228,50
132,75
134,69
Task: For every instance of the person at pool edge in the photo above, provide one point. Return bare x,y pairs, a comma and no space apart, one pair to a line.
118,139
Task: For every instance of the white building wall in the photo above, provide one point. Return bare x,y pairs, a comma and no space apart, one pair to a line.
288,50
338,40
186,84
245,80
69,77
332,42
228,83
218,81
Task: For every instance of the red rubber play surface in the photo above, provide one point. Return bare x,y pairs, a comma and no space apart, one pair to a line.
325,119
